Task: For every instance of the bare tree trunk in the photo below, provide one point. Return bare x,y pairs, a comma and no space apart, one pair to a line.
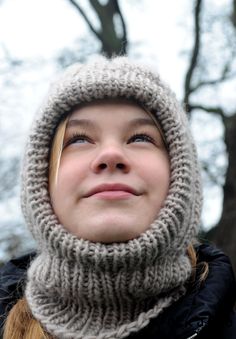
188,88
234,13
225,232
112,41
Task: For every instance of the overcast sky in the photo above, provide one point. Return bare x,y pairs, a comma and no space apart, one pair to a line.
41,28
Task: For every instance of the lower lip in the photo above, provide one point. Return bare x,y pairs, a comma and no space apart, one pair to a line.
113,195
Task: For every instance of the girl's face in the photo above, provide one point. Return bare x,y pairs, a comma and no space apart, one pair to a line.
114,173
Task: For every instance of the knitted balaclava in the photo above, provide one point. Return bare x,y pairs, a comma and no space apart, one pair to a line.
80,289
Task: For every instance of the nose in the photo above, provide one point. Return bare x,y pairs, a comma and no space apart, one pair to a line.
111,158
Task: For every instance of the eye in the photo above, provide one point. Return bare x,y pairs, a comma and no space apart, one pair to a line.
141,137
77,138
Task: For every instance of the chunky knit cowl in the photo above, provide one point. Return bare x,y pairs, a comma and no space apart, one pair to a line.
80,289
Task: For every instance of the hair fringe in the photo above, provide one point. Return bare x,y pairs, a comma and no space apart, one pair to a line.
56,151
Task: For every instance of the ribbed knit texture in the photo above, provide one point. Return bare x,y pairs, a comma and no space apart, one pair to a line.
79,289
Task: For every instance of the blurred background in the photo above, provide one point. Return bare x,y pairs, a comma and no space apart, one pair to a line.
191,43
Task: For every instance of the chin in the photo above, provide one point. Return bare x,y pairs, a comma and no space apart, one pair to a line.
108,229
111,239
107,237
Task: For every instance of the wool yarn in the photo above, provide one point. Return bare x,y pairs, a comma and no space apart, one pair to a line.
80,289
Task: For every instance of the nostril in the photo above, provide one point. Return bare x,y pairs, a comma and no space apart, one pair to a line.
102,166
120,166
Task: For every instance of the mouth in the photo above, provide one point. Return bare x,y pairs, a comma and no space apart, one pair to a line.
112,191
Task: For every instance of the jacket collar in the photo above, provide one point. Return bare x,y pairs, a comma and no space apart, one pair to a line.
204,305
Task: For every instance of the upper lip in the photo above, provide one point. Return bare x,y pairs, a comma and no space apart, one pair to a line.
111,187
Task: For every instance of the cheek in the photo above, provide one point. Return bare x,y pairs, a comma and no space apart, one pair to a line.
71,174
156,170
73,168
164,173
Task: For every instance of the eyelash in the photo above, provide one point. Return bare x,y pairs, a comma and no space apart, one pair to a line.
146,136
77,136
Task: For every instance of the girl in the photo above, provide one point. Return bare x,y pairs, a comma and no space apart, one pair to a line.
111,192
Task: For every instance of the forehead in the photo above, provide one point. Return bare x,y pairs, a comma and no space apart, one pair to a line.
112,110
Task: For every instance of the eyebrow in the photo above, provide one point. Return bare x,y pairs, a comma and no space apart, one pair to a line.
89,123
79,122
142,122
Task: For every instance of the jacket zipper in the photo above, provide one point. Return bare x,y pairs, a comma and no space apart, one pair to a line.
199,329
192,336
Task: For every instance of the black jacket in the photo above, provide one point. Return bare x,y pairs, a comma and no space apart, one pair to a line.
205,312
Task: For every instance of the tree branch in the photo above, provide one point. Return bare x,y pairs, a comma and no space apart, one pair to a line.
209,109
213,178
12,61
195,53
213,82
75,4
112,43
226,75
97,6
114,8
116,4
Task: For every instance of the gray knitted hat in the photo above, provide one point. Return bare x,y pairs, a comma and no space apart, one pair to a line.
79,289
